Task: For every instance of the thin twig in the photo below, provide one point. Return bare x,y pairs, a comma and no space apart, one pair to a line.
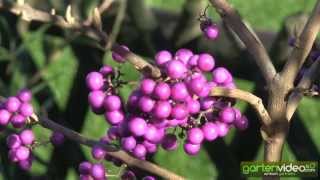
112,151
303,45
253,100
252,42
304,83
26,12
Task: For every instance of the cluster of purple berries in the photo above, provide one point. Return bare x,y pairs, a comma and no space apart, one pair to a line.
16,110
20,146
92,171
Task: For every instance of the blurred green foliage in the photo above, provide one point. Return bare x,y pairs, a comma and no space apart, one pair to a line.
58,64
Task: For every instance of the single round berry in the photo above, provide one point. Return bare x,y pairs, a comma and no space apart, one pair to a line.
151,133
137,126
162,57
211,32
195,85
12,104
96,99
209,130
179,111
148,178
221,75
114,117
162,91
27,137
12,155
227,115
179,91
128,143
112,103
106,70
13,141
176,69
222,129
113,132
94,81
4,117
195,136
146,104
98,152
139,151
25,164
26,109
85,168
98,171
147,86
193,106
191,149
162,109
205,62
183,55
25,95
85,177
169,142
151,148
120,58
241,123
193,61
57,138
18,121
22,153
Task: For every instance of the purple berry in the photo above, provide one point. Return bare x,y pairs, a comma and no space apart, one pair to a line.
18,121
147,86
193,106
146,104
148,178
207,102
22,153
4,117
179,111
120,58
222,129
205,62
128,175
114,117
137,126
13,141
112,103
241,123
169,142
12,104
98,152
176,69
162,57
211,32
193,61
191,149
85,168
162,91
85,177
27,137
162,109
209,130
25,95
128,143
98,171
139,151
183,55
25,164
57,138
195,85
195,135
227,115
106,70
179,91
96,99
95,81
26,109
113,133
221,75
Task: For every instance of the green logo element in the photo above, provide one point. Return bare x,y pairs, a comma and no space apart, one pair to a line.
284,169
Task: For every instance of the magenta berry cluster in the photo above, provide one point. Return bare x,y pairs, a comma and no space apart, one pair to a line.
92,171
158,108
16,109
20,146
